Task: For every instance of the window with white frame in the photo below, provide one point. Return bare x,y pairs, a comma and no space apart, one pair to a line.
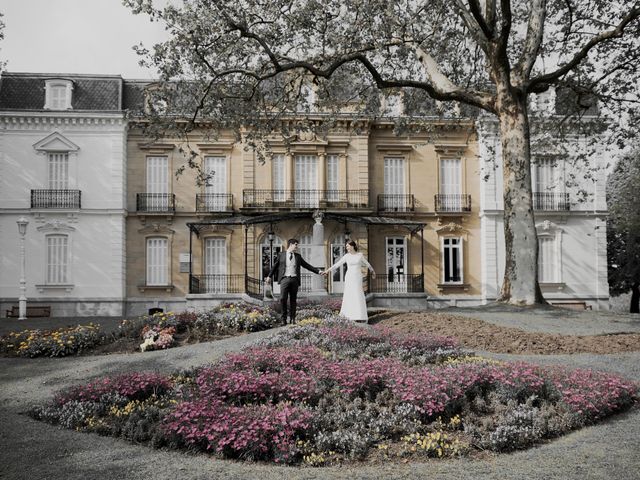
547,260
394,184
452,260
450,184
58,171
57,259
157,195
306,181
157,261
332,178
278,178
58,94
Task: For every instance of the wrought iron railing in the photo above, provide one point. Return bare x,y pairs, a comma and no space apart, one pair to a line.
455,202
51,198
396,203
551,201
255,287
156,202
216,283
402,283
305,198
214,202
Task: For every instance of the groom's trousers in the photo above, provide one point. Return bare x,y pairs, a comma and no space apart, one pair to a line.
289,294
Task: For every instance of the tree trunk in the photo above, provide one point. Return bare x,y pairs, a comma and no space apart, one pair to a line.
520,285
634,307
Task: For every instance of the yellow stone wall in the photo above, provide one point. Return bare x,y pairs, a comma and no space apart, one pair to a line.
361,166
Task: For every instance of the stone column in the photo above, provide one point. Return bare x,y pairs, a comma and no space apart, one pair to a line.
318,255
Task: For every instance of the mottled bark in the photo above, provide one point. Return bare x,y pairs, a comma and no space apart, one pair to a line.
520,285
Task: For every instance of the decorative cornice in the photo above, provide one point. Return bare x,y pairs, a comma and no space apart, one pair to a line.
55,226
215,147
156,147
451,227
450,148
43,121
396,147
156,228
56,142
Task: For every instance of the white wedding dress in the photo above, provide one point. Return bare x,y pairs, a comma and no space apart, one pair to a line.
354,306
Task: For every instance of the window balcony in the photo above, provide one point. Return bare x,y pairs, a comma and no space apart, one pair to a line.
399,283
56,199
156,202
456,202
216,283
551,202
214,202
396,203
305,199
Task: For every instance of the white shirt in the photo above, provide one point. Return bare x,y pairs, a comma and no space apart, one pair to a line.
290,271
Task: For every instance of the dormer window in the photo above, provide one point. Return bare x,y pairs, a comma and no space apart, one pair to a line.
58,94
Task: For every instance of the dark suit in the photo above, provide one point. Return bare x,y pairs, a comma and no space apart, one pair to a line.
289,285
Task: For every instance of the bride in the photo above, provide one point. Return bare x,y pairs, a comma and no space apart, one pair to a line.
354,306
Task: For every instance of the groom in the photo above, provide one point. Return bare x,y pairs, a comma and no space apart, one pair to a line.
287,271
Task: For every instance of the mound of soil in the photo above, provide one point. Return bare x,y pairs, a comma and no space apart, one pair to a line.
480,335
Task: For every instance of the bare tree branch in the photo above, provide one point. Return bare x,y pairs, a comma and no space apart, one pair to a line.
476,32
617,32
474,7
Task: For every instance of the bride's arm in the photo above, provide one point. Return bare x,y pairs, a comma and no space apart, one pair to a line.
337,264
368,265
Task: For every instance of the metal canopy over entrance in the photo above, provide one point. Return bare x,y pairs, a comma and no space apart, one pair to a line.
246,220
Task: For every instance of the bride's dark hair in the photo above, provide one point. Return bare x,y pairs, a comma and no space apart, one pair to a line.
353,244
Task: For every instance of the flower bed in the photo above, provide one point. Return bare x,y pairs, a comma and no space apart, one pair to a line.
51,343
330,391
165,330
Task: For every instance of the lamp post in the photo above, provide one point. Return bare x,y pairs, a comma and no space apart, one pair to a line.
270,236
347,234
22,301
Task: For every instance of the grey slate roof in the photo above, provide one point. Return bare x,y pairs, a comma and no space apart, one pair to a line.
26,91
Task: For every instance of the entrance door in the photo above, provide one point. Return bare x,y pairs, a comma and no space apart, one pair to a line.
306,182
396,264
337,276
215,265
216,171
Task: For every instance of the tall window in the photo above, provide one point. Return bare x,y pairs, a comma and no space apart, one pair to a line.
547,266
216,171
157,183
332,178
57,259
452,259
546,173
306,181
278,178
58,171
157,261
450,184
394,183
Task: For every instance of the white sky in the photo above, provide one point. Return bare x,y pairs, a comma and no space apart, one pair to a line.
75,36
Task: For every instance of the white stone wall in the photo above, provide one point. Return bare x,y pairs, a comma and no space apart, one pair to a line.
96,231
582,229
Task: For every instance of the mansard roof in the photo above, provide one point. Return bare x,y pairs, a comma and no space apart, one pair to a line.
26,91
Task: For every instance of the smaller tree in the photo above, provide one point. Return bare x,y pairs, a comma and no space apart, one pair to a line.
623,230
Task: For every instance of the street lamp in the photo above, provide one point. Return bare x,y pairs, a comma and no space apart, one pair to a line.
347,234
22,301
271,236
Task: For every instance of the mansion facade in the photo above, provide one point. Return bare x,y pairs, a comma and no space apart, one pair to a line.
113,231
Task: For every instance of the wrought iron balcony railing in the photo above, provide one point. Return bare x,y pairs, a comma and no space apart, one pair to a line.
156,202
550,201
214,202
403,283
396,203
339,199
455,202
216,283
56,198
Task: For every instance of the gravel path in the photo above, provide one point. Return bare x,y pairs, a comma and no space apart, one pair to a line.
31,450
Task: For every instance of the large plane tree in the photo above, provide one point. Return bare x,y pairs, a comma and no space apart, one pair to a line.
241,61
